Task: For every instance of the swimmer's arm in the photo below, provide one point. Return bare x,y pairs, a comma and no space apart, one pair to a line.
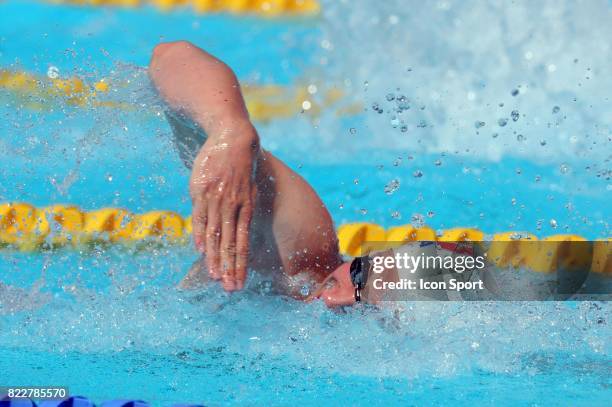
222,189
204,88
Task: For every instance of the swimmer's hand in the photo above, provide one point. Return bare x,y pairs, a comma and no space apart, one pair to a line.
223,196
222,188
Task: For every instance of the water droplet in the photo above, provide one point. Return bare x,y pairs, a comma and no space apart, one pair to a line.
518,171
404,129
495,135
564,168
431,214
397,162
422,124
538,178
109,177
438,163
556,109
502,122
392,186
396,215
356,181
513,201
305,290
363,211
514,92
390,97
479,124
417,174
353,130
553,223
341,206
520,137
417,220
514,115
53,72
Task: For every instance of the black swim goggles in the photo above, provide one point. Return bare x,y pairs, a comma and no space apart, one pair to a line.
360,267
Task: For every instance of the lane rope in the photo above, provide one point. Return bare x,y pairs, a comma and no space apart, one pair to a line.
28,228
262,8
264,102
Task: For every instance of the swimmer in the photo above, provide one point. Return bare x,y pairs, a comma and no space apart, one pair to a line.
249,210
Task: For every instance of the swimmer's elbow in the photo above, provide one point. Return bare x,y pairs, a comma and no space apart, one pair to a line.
164,48
184,49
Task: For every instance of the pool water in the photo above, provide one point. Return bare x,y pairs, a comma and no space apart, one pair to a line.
109,323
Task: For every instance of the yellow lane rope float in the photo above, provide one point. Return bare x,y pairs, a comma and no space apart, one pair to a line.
266,8
264,102
27,228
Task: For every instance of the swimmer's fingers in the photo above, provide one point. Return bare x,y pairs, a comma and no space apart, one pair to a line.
213,237
242,240
228,248
198,224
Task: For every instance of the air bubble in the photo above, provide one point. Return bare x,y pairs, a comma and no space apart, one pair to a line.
502,122
556,109
514,92
514,115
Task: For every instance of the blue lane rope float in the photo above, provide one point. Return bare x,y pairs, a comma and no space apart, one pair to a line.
79,401
75,401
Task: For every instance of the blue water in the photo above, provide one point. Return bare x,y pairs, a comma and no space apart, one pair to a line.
109,323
